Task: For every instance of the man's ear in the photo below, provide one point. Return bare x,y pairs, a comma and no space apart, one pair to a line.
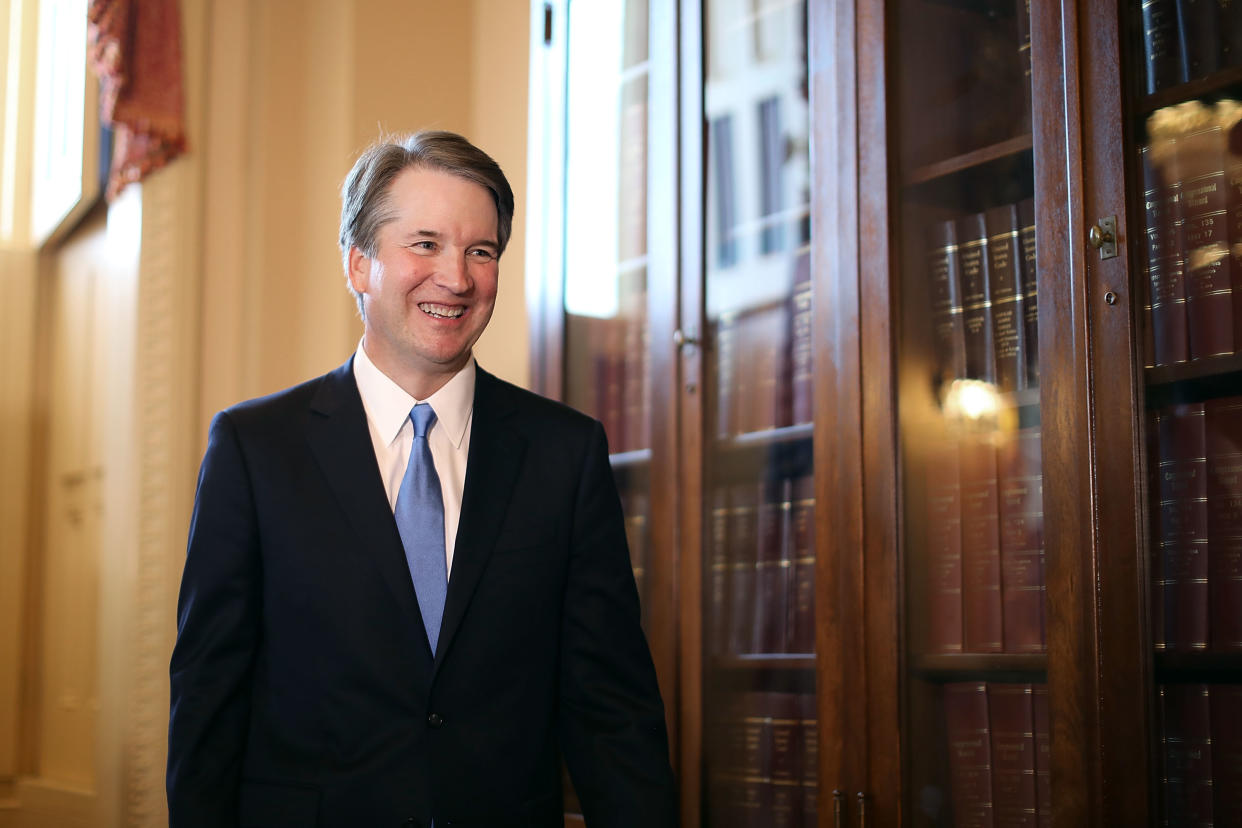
359,270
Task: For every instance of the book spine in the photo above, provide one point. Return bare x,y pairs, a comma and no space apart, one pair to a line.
1023,14
786,752
802,551
972,237
809,759
1022,541
1168,280
1160,46
944,274
718,572
1223,421
1233,202
1030,287
970,754
1198,37
1043,755
1011,720
944,551
1186,739
981,568
743,543
771,570
1007,301
1225,701
1154,245
802,390
1183,521
764,346
1209,294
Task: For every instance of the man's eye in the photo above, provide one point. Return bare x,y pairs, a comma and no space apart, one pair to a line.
482,254
424,245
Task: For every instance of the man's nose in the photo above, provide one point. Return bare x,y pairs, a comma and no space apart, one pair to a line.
454,275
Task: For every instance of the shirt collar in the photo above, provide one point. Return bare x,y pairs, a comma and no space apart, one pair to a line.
387,404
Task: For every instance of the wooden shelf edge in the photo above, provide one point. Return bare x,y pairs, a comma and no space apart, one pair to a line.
974,158
767,437
1198,88
764,661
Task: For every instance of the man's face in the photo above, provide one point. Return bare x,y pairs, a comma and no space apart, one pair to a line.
429,290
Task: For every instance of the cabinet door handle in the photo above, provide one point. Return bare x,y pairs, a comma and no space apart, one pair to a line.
862,810
838,808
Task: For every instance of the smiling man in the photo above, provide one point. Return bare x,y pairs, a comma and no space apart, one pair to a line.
407,595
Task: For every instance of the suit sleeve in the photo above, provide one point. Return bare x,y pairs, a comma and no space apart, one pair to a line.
612,726
218,630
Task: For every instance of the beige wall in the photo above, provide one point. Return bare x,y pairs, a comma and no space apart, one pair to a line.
232,287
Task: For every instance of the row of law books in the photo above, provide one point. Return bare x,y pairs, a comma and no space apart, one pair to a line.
985,544
763,761
761,567
1201,754
983,286
1196,525
1000,756
621,362
763,362
1192,192
1188,39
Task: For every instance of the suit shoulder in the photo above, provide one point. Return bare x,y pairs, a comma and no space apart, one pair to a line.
281,408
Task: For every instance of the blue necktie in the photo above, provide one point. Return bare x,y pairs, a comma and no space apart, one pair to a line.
420,521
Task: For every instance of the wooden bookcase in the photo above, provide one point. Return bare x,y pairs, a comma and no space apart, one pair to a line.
1039,612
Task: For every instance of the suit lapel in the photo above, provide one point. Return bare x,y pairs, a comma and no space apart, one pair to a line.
492,467
341,443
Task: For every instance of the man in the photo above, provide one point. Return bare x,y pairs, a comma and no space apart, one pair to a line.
407,592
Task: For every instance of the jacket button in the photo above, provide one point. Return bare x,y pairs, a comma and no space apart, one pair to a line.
435,720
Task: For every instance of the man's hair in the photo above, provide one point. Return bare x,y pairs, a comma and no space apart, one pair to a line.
365,205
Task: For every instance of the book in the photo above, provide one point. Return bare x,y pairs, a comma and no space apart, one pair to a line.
761,393
809,759
802,400
1167,286
1230,115
1011,716
1200,149
1186,747
970,754
944,550
981,566
718,571
1199,40
785,713
1023,14
972,238
944,283
773,564
743,530
1225,701
1005,297
1160,44
1020,470
1155,241
1030,287
1223,451
801,624
1182,523
1043,755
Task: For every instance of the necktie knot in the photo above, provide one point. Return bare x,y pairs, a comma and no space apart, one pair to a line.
422,417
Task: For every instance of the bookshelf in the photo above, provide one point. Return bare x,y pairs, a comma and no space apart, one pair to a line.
887,342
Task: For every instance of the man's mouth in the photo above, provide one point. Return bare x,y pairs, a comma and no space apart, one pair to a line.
441,311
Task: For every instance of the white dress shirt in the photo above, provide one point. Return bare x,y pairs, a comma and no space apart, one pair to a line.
388,418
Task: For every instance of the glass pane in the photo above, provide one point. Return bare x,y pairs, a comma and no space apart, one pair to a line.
977,737
607,344
1184,86
761,751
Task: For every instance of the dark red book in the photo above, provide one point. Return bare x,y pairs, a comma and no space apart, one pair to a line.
972,241
761,394
718,571
944,550
1007,301
1011,715
1186,742
1022,540
785,711
801,624
742,546
810,760
1167,281
1223,444
945,280
1043,755
802,390
1182,525
773,567
981,565
1209,296
1030,287
1226,704
970,754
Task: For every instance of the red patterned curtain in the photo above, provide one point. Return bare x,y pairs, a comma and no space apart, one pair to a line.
135,49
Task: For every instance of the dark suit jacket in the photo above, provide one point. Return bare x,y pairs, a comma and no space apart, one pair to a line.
304,692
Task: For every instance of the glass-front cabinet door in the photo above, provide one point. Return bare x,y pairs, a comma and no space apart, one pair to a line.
1184,85
976,730
760,737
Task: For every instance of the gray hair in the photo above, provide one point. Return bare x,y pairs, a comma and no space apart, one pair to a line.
365,207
